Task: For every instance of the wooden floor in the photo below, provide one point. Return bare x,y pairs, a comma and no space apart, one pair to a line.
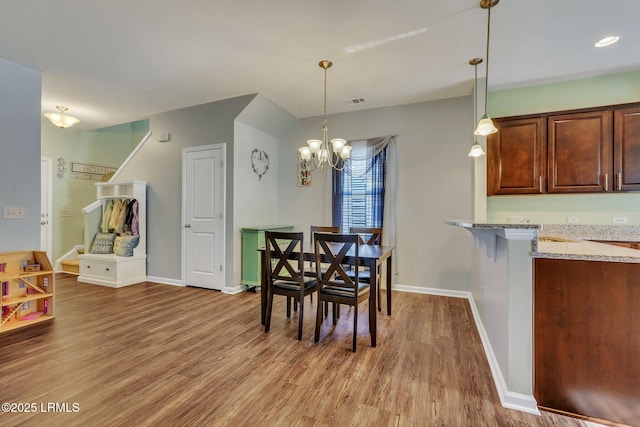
160,355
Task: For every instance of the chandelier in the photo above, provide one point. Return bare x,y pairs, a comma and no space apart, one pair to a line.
61,119
319,153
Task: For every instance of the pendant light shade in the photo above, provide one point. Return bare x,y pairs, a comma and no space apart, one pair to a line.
61,119
485,126
476,148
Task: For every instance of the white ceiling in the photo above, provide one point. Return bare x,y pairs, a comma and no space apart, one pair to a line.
118,61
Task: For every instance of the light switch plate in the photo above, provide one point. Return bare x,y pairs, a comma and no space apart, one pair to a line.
13,213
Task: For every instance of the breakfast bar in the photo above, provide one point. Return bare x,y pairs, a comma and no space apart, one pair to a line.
557,311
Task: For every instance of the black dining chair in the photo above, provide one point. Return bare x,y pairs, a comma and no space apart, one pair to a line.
311,272
369,236
285,273
334,284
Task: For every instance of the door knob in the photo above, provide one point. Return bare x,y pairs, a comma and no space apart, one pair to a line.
187,226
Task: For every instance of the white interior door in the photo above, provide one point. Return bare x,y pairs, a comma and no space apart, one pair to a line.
203,213
46,198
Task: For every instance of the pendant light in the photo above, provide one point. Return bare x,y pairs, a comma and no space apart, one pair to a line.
485,125
318,152
61,119
476,148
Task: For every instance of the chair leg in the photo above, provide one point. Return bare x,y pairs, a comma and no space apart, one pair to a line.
288,307
326,309
267,320
355,325
372,322
334,313
300,317
319,315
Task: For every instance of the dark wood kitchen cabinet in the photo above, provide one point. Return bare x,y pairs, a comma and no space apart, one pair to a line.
590,150
626,141
579,152
587,338
516,161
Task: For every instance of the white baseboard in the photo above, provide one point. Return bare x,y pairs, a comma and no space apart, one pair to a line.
508,399
233,290
165,281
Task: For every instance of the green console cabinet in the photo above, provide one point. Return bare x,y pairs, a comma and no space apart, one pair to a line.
252,240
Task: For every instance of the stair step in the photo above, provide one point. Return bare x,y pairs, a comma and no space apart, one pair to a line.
71,266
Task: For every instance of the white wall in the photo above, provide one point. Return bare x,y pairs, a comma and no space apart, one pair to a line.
256,200
434,184
20,110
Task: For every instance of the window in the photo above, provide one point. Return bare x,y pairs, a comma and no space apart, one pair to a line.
358,190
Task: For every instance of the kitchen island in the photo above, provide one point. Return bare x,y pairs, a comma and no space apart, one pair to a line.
557,314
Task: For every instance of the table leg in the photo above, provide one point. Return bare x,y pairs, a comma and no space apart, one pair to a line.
389,286
377,270
263,286
373,315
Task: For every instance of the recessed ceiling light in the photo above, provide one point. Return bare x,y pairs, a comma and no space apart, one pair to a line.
607,41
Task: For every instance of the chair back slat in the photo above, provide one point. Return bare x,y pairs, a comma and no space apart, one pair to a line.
320,229
331,249
368,235
281,263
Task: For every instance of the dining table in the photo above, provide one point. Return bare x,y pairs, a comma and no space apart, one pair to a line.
370,256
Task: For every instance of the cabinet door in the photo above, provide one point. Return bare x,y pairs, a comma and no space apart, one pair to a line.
626,140
515,157
579,152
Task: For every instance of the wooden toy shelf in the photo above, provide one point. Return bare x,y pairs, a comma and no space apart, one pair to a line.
27,297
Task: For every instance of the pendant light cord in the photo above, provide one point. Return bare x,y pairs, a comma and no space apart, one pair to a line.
486,79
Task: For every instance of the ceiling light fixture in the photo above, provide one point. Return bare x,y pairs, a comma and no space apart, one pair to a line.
61,119
476,148
485,125
318,152
607,41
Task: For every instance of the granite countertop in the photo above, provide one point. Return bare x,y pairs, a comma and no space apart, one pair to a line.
574,242
564,241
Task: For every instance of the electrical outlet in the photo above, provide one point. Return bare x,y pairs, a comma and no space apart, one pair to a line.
13,213
573,220
620,220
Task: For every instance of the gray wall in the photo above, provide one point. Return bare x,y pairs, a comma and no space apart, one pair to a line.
160,165
434,184
20,110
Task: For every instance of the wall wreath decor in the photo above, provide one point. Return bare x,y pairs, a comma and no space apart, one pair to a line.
259,162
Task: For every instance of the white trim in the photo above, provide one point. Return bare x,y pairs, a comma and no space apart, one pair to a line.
128,159
508,399
50,217
165,281
92,206
232,290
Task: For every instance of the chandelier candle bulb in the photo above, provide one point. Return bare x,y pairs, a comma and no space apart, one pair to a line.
305,153
314,145
338,144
